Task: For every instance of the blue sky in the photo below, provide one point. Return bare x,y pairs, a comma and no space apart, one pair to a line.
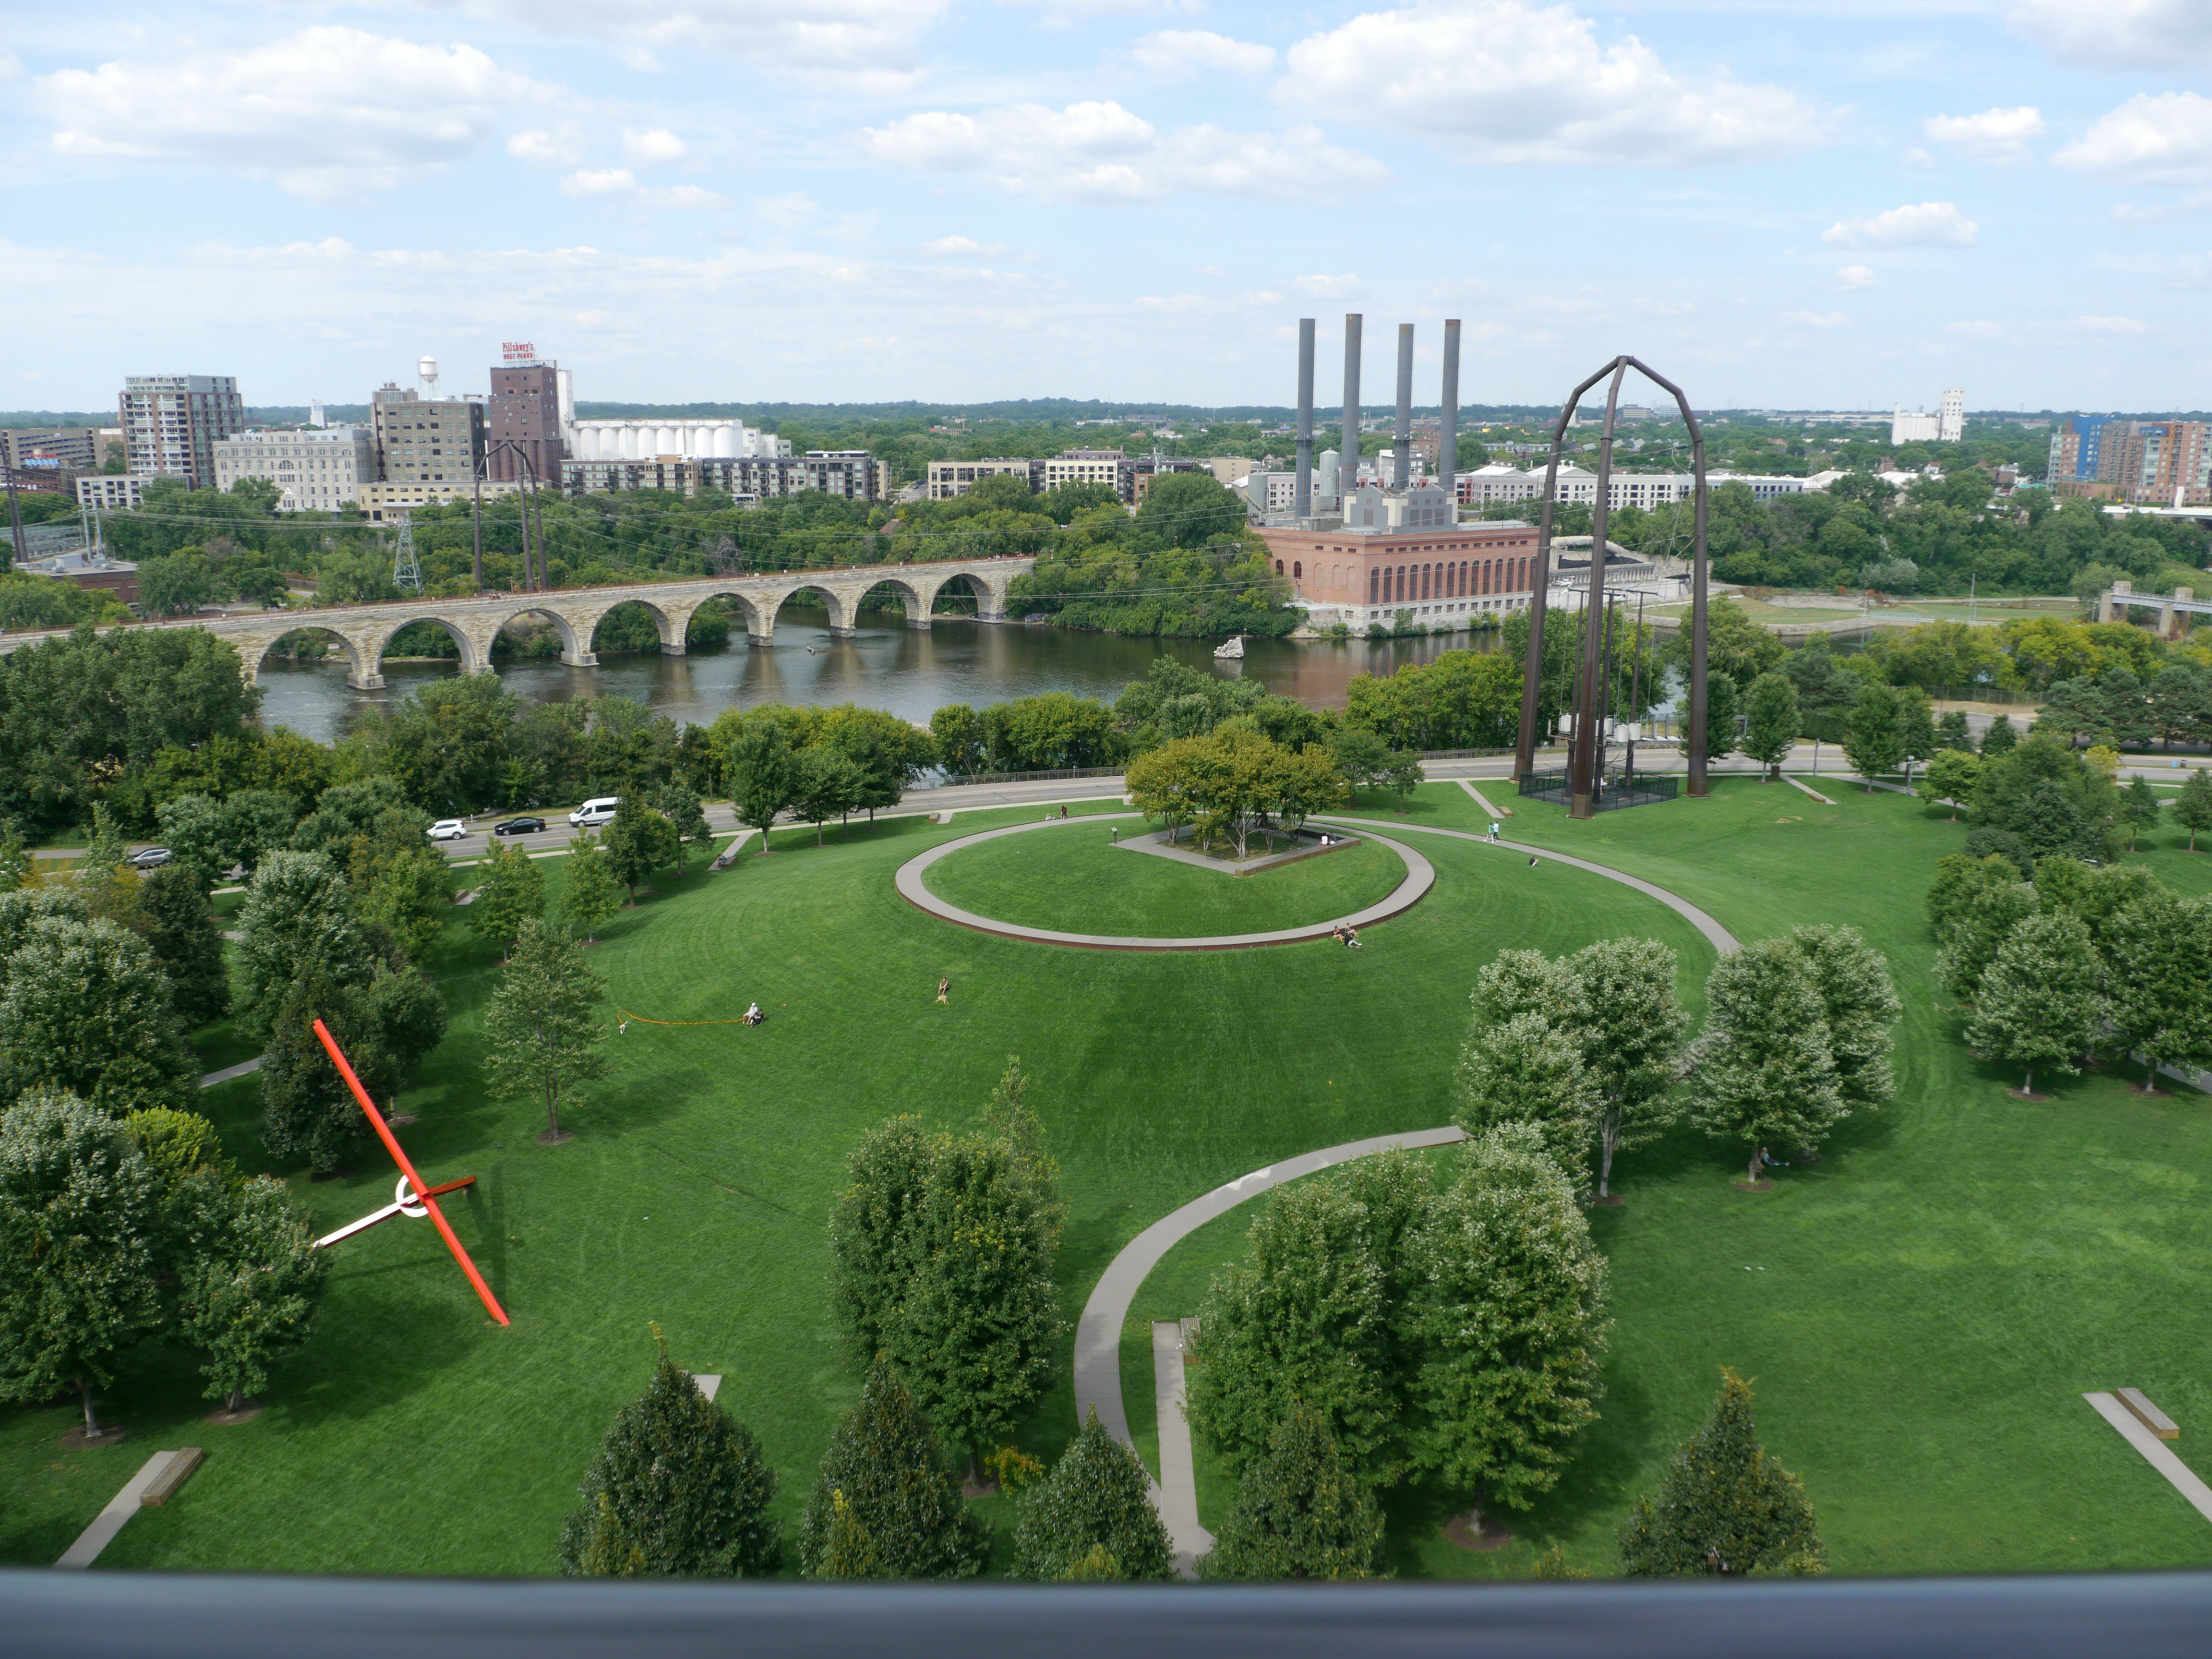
1784,203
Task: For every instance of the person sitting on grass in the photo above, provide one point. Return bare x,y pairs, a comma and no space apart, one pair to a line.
1352,938
944,990
753,1015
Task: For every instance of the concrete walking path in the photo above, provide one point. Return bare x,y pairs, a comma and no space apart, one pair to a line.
1176,1495
244,1067
1722,940
1799,784
2155,1452
1482,801
1098,1332
120,1508
1420,876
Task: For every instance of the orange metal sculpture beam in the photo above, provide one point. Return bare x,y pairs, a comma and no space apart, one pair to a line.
424,1195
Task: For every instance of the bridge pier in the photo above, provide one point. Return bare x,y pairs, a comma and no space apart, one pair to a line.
919,622
365,681
581,659
679,648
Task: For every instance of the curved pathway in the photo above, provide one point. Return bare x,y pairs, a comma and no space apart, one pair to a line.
1719,937
1420,876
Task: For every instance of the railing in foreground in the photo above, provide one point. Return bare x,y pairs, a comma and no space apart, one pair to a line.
121,1616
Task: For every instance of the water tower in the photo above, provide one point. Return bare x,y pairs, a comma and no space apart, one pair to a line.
427,369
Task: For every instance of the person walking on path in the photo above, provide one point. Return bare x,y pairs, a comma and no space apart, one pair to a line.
945,991
1493,831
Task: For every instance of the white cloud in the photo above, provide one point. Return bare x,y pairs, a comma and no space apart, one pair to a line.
621,184
1815,318
11,67
1855,276
867,45
1176,54
1329,287
1099,151
966,246
2155,138
2109,324
641,59
644,149
1925,224
328,111
1998,136
2149,34
563,148
2188,207
1504,81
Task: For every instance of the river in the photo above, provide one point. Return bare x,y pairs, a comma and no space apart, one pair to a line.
886,666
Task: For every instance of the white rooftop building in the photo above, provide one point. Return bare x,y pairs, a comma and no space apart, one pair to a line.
1947,425
652,437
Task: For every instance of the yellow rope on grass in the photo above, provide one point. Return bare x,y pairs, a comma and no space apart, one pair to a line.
642,1020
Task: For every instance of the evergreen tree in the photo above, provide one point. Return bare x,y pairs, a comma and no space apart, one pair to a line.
178,926
1525,1071
84,1008
1770,730
676,1491
1505,1315
1764,1075
1876,740
884,1506
78,1228
1301,1512
510,890
589,897
1972,934
2192,808
2139,809
2038,1000
1092,1517
248,1284
541,1032
1858,1003
2003,736
298,917
1727,1507
1631,1026
2158,991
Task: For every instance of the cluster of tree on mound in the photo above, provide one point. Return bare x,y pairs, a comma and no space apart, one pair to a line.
2066,958
122,1220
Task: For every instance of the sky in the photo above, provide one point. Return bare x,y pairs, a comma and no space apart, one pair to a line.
1786,204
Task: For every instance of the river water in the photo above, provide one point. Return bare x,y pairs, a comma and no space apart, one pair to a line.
910,672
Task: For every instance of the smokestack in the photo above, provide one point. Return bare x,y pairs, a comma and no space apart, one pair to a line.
1448,444
1303,497
1401,440
1347,460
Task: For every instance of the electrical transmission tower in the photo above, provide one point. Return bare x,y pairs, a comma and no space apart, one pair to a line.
407,569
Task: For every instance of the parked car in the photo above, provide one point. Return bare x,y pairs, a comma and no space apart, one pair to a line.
447,830
519,827
150,858
595,812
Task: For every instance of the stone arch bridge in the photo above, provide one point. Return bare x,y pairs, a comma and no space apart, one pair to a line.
365,630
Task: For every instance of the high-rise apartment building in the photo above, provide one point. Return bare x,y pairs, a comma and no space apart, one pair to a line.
425,439
52,449
2155,463
524,420
172,422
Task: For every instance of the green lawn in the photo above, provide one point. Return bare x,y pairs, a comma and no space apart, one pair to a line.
1074,879
1923,1311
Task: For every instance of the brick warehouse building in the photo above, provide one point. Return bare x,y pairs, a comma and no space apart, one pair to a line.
1445,577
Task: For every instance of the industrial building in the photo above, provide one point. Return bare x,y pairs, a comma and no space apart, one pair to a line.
1946,426
425,440
654,437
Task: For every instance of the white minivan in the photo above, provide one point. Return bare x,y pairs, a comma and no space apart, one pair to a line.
593,813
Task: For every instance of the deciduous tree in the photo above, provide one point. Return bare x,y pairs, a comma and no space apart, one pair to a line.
542,1032
1770,711
1950,778
2158,991
1857,1003
78,1227
85,1008
1875,739
2139,809
591,893
510,890
678,1490
2193,808
1764,1074
2039,1001
763,773
248,1284
1630,1025
1525,1071
1727,1507
298,915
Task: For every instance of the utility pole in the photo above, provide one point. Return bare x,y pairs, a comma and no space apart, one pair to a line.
475,521
15,516
406,568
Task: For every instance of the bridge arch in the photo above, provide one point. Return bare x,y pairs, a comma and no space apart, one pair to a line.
840,609
575,649
914,598
668,622
255,653
757,619
381,633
